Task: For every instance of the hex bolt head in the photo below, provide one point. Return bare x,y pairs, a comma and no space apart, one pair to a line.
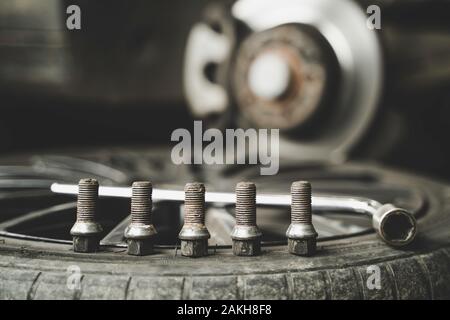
301,234
194,235
247,248
305,247
139,247
86,231
85,244
140,232
246,235
194,248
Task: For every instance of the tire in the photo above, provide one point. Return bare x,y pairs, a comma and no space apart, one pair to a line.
339,270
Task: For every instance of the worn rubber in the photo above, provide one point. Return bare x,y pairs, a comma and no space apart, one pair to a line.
339,270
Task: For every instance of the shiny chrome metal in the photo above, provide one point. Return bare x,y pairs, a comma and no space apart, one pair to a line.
396,226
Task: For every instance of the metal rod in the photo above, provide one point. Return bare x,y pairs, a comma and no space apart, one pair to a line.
319,202
396,226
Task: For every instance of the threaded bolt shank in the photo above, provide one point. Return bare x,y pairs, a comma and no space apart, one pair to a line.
141,203
194,235
301,211
194,205
86,230
246,204
87,200
301,233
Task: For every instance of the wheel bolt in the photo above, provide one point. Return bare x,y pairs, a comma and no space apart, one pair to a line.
194,235
301,233
245,235
140,232
86,230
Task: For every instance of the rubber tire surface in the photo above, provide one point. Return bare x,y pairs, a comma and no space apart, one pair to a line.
36,270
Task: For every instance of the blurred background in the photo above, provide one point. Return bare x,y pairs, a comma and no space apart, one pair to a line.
138,70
